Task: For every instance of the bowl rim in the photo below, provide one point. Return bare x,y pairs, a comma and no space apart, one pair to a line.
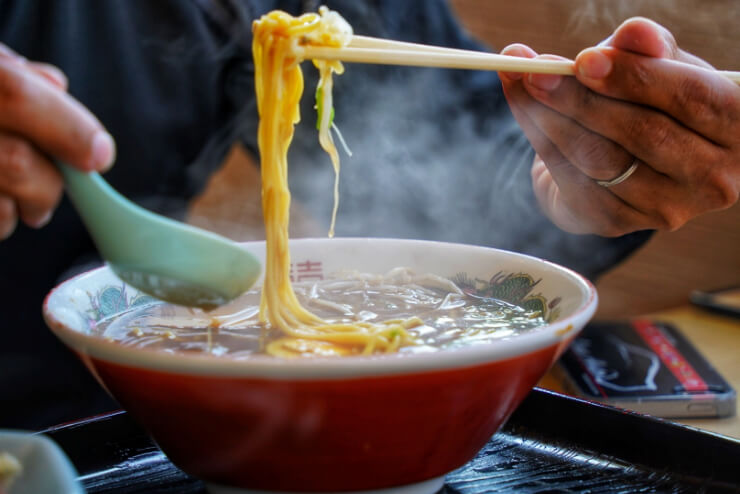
554,333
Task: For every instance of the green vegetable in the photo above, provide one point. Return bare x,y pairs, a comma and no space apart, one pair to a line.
320,109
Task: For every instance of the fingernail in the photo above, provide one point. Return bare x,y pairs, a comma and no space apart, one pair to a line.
9,228
8,53
43,220
512,76
103,151
545,82
520,51
593,64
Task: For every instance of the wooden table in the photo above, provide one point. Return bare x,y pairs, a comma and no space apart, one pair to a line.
718,338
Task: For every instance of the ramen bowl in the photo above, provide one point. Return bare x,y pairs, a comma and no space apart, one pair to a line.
335,424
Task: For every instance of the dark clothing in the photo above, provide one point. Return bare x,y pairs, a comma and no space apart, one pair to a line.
437,154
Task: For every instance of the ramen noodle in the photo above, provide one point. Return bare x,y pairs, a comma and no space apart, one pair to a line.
279,86
10,468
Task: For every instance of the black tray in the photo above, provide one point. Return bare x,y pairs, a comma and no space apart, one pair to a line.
552,443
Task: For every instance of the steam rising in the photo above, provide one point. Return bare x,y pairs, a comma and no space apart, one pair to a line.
420,167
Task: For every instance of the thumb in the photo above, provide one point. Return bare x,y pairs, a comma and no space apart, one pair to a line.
644,37
648,38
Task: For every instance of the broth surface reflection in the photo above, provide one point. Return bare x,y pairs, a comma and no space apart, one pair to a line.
445,317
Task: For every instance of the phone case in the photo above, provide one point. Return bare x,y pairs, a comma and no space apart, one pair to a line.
646,366
725,301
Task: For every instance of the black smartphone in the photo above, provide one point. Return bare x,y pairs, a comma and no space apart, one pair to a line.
724,301
646,366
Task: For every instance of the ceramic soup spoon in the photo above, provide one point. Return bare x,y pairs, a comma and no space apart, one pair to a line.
167,259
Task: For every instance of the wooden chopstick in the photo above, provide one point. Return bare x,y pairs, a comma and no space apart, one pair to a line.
731,75
359,41
443,59
364,49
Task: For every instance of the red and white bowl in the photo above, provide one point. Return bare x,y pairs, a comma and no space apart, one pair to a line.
346,424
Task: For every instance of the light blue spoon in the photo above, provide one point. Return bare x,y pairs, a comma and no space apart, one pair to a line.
167,259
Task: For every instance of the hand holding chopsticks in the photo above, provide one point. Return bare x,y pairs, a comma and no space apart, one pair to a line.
644,139
365,49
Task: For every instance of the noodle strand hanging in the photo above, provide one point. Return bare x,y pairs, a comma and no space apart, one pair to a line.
279,87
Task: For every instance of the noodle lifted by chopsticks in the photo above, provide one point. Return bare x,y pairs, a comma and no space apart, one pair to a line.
279,86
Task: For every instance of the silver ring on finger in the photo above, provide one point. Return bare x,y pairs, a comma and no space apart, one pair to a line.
621,178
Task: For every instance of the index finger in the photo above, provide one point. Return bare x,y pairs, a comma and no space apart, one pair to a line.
51,119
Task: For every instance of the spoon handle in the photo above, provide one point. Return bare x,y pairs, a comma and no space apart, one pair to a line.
102,209
158,255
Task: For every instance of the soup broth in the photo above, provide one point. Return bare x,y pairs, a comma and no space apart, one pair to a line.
442,317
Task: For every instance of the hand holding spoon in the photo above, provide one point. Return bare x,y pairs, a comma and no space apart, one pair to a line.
170,260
